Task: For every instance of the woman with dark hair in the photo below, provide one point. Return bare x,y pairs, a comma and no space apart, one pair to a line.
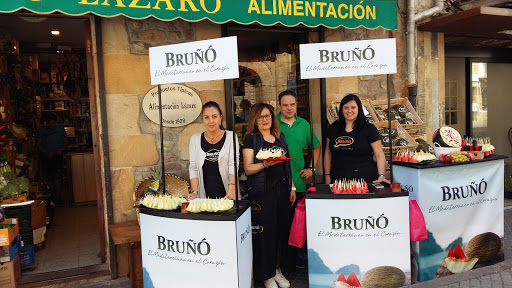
351,144
212,164
271,191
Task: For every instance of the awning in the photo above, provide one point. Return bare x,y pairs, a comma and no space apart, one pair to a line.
329,13
487,22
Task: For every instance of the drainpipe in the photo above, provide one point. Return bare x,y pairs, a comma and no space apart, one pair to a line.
412,18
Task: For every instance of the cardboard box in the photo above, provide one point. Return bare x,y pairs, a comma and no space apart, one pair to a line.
10,273
7,253
7,235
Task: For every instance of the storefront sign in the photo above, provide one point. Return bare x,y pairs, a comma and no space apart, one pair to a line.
194,253
348,58
180,105
460,204
213,59
330,13
360,236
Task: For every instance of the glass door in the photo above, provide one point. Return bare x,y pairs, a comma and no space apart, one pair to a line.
479,99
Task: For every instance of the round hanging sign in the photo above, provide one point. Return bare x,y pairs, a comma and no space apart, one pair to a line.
180,105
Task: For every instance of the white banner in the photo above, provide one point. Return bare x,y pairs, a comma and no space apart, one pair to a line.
348,58
213,59
458,203
357,235
193,253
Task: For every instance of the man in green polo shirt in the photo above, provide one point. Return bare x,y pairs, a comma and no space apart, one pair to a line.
297,133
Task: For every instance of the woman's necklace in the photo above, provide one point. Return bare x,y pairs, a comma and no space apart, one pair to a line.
213,139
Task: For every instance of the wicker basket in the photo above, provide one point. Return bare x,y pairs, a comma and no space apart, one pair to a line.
175,185
401,133
411,128
38,214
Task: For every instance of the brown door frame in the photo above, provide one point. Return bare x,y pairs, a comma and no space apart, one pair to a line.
95,139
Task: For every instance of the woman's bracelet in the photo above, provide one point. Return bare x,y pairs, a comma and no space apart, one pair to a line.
263,164
231,184
327,174
194,191
382,175
294,189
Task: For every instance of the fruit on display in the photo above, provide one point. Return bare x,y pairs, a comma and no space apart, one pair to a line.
478,144
210,205
397,112
266,154
457,262
424,146
10,184
162,202
349,282
447,137
350,187
484,246
394,135
369,118
457,157
383,277
414,157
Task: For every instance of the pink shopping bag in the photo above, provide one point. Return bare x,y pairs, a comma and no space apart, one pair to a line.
298,229
417,222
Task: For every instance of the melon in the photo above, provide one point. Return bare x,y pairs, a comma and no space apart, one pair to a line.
447,137
457,262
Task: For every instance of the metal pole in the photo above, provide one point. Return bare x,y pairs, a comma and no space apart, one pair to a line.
161,138
235,156
388,80
312,148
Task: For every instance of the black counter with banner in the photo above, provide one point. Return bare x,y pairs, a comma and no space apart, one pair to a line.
463,206
177,247
366,235
329,13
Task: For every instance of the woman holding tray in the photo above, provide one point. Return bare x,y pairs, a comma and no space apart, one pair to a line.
271,191
351,144
212,164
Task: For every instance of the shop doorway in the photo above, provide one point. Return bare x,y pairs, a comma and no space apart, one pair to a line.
490,101
268,64
46,66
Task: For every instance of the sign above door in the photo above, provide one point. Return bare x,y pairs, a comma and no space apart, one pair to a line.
329,13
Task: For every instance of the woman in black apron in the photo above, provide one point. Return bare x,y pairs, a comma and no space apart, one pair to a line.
272,194
351,144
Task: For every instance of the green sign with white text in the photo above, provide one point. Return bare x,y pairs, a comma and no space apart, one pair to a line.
329,13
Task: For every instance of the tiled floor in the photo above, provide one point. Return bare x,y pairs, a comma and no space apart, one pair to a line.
72,241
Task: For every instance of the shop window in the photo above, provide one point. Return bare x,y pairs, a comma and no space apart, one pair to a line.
451,103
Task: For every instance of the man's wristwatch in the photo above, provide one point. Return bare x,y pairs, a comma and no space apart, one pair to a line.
382,175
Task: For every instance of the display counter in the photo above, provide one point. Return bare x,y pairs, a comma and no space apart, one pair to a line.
197,250
367,234
462,204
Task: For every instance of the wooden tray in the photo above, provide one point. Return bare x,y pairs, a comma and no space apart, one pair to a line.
401,133
411,128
